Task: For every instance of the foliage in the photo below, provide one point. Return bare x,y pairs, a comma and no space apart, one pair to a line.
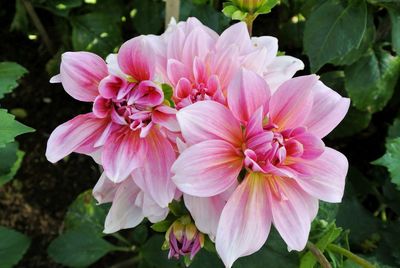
13,246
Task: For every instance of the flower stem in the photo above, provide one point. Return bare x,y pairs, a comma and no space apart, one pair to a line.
318,255
249,22
356,259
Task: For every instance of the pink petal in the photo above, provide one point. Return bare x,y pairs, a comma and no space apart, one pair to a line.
269,43
55,79
147,94
247,92
137,59
292,212
328,109
292,102
81,73
199,70
154,176
166,116
111,85
236,34
245,221
104,190
78,134
206,120
280,70
207,168
177,70
225,64
150,208
324,177
123,152
102,107
313,147
124,213
198,44
182,89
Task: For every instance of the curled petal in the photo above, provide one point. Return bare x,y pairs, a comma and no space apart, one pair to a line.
104,190
166,116
245,220
207,168
78,134
81,73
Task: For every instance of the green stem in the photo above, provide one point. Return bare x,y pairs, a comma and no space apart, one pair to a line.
125,249
249,22
318,255
356,259
122,239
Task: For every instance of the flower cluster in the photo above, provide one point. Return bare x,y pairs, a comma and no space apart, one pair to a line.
239,140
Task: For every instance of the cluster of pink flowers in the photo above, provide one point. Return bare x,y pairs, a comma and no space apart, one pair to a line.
240,140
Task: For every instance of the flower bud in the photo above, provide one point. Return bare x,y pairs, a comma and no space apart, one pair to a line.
249,5
184,239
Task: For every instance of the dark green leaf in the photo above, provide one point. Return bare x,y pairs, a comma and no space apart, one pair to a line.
333,30
10,72
60,7
206,259
394,129
139,234
13,246
354,122
96,32
84,212
177,208
161,226
20,21
10,159
10,128
149,18
395,18
154,256
78,248
370,81
391,160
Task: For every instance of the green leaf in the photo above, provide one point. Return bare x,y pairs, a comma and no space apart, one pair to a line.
395,18
78,248
266,8
10,159
154,256
371,80
354,122
96,32
60,7
177,208
206,259
140,234
153,9
10,128
391,160
13,246
10,72
394,129
85,212
20,21
333,30
161,226
308,260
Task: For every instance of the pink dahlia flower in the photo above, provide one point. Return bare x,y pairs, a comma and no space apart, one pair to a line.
129,127
277,140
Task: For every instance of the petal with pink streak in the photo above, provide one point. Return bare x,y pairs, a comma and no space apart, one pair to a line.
255,124
123,152
324,177
151,209
136,58
292,211
247,93
81,73
245,220
207,168
111,85
205,212
102,107
177,70
154,176
205,120
225,64
292,103
166,116
328,109
78,134
124,213
313,146
147,94
281,69
104,190
236,34
197,44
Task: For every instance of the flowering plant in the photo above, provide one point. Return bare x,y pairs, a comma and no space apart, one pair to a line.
238,139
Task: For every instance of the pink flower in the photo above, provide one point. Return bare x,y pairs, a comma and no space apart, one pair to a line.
129,126
200,64
277,140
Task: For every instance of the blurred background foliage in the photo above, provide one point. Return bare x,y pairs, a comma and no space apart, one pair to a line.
354,45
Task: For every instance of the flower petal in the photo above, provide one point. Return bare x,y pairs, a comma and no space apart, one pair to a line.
124,213
207,168
247,92
81,73
236,34
166,116
206,120
328,109
245,220
136,58
123,152
154,176
78,134
177,70
281,69
104,190
292,212
292,102
324,177
150,208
